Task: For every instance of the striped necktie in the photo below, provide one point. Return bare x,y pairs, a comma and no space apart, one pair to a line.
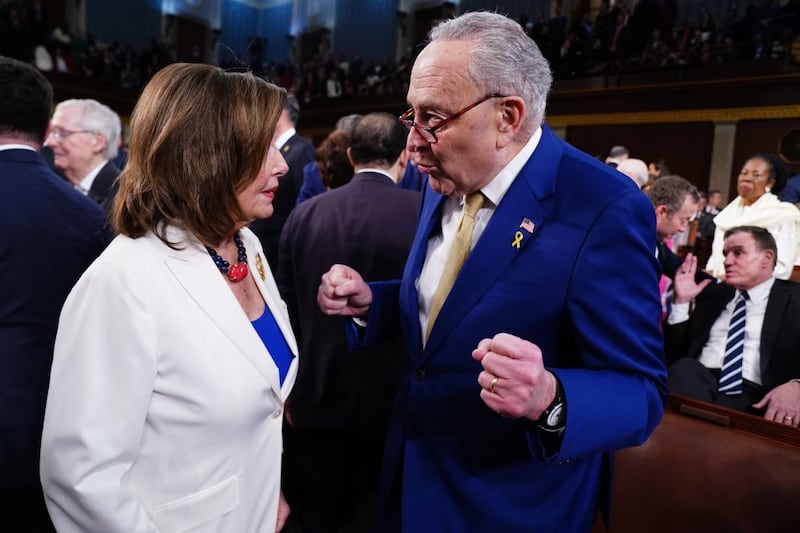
730,376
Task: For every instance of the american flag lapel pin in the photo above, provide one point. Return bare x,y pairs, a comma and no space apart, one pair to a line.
527,225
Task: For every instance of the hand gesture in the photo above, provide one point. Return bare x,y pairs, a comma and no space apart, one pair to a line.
684,285
514,380
344,292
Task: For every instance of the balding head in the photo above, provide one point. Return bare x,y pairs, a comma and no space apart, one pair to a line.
635,169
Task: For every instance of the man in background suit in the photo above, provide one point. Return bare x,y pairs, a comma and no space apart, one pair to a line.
50,234
298,152
696,342
341,401
546,354
675,202
84,136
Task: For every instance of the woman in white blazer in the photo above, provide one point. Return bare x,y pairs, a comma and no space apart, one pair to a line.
174,355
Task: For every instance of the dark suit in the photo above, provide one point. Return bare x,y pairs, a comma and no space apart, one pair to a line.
104,186
298,152
341,400
780,335
582,285
50,234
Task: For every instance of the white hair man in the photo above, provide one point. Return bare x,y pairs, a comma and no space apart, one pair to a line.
84,136
635,169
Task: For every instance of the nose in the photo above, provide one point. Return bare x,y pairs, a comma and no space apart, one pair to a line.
415,141
728,259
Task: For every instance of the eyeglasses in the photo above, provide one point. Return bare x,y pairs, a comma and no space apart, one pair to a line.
429,132
63,133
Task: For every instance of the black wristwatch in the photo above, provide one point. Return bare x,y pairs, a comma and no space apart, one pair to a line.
554,418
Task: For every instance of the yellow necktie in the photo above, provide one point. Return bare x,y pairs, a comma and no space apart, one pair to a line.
459,251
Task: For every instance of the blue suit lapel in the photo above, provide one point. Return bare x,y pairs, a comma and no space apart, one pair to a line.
504,238
429,220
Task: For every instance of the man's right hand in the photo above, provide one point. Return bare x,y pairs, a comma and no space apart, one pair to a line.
344,292
684,285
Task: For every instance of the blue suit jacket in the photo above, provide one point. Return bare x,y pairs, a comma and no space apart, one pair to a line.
583,286
49,234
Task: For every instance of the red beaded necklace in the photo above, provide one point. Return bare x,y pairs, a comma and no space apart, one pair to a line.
236,272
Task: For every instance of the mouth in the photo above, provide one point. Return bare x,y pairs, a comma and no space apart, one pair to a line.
425,169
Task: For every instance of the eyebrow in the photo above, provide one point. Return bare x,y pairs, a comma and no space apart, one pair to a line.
732,249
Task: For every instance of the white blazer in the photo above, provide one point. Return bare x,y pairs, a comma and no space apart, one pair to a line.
165,408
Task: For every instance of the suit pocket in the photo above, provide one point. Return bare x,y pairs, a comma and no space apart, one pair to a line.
199,508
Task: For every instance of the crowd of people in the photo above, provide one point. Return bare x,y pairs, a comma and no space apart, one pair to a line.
256,335
621,38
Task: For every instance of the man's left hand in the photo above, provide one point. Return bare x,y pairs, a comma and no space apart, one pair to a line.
514,381
783,404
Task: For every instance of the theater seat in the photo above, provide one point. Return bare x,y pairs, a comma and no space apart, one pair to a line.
707,469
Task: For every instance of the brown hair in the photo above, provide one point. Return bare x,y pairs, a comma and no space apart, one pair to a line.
334,166
199,135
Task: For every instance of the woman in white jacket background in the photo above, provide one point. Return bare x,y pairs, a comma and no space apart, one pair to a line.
174,354
761,178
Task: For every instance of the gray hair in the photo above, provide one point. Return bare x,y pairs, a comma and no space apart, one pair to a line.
98,118
504,59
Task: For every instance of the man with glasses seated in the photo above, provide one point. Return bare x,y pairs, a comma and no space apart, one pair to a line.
84,137
528,303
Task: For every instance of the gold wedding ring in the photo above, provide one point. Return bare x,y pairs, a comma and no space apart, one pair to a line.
492,384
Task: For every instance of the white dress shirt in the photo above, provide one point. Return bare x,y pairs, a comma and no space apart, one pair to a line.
452,212
713,352
86,183
284,137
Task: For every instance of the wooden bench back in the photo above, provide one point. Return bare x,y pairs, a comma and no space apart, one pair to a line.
706,468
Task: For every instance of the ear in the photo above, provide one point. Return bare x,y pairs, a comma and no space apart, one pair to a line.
512,115
99,143
350,157
769,257
661,210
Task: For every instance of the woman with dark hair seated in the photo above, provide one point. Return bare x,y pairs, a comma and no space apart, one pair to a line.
761,178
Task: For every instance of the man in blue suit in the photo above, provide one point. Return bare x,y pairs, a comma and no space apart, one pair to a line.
545,356
50,234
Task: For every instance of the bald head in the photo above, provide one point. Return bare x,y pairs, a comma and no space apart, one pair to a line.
635,169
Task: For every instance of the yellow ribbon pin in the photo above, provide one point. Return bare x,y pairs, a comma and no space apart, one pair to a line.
517,240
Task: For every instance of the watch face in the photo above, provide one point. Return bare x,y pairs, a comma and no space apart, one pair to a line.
556,416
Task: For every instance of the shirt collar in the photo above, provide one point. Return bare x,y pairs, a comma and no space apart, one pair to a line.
761,291
86,182
17,147
497,188
284,137
376,171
